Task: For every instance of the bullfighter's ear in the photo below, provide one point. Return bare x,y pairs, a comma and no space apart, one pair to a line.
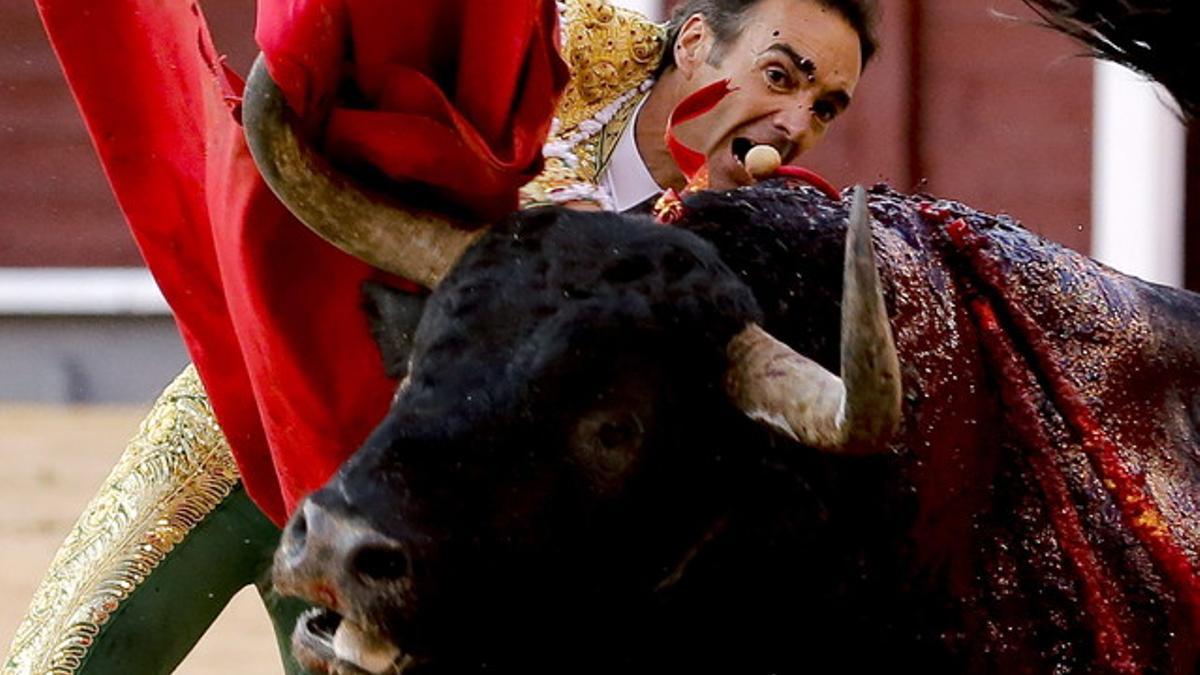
394,315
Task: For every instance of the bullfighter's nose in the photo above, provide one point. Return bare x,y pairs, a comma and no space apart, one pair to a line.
334,559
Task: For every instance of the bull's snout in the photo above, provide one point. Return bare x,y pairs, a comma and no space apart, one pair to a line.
337,560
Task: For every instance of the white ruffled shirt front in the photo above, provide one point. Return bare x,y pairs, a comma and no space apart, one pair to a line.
626,179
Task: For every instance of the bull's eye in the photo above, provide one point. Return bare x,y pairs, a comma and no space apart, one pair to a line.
614,434
607,445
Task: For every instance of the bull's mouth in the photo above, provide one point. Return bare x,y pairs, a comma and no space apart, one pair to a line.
324,642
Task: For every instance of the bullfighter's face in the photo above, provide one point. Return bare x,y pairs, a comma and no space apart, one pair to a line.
793,67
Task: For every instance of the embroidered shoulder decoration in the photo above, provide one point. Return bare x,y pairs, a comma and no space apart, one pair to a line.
612,54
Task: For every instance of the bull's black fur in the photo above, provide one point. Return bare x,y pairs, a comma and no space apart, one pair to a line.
557,317
551,280
394,317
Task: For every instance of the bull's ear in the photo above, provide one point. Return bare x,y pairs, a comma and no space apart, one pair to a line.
394,315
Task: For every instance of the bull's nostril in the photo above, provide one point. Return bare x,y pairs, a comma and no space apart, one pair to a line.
379,563
295,535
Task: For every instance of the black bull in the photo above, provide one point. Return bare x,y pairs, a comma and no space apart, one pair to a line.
562,485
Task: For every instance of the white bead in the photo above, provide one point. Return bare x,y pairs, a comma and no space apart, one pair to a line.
762,161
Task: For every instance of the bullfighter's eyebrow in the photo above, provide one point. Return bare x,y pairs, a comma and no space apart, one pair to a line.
802,63
807,66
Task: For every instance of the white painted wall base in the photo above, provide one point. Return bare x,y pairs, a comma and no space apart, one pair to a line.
90,291
1138,177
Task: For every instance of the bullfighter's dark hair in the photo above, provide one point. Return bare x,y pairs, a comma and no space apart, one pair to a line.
726,18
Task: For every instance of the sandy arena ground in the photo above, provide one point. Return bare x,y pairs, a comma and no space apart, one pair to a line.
54,459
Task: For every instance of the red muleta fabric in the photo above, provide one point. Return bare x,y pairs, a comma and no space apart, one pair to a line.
459,94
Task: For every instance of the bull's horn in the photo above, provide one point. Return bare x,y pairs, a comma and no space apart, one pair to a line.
857,412
416,245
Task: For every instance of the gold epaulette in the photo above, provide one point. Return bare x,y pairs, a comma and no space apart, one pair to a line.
175,471
612,54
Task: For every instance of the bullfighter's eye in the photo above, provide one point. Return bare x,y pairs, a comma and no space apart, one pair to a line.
824,111
778,78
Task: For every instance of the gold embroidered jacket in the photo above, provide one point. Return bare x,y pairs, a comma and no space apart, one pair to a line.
612,54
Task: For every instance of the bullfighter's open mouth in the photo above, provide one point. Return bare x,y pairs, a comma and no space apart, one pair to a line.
741,147
324,642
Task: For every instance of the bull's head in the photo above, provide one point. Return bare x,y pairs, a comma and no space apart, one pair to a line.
563,448
576,425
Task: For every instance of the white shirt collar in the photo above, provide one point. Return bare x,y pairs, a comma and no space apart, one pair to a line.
626,178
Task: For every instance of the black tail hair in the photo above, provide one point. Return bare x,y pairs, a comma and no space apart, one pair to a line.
1158,38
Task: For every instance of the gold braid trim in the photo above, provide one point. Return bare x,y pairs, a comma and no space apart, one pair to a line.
173,473
610,51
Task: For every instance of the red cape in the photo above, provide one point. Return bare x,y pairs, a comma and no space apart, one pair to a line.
270,313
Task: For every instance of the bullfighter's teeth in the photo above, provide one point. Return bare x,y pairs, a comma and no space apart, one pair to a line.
366,651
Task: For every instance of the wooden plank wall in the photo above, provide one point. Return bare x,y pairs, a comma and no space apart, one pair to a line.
56,205
57,208
971,100
1191,258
